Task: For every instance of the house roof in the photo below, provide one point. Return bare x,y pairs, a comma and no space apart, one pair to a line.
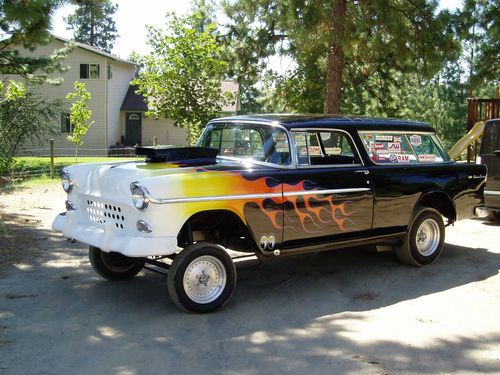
94,50
134,101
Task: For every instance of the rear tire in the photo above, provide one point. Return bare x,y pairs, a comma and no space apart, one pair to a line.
424,240
202,278
114,266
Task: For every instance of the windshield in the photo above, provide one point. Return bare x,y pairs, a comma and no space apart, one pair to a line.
248,141
491,138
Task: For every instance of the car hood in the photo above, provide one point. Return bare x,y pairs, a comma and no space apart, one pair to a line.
162,180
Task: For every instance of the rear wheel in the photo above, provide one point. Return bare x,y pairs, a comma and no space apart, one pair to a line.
114,266
424,241
202,278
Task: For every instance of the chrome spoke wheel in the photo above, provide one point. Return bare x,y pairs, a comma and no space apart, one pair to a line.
204,279
428,237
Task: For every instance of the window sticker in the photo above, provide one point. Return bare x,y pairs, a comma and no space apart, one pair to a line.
394,147
314,150
397,138
333,150
384,138
403,158
367,137
427,158
415,140
379,146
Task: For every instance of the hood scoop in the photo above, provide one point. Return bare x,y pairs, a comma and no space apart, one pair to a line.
182,155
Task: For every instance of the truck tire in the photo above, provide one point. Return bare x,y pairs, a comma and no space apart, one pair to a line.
424,241
202,278
114,266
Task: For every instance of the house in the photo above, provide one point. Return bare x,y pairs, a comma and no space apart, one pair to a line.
117,111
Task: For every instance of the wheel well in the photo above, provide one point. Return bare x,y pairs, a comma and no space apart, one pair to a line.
440,202
217,226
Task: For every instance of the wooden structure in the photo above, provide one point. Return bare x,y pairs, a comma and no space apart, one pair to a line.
480,110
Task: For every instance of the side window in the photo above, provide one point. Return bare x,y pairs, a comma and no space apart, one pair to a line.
325,147
427,148
388,148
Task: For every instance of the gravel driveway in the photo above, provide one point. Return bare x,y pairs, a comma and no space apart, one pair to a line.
345,312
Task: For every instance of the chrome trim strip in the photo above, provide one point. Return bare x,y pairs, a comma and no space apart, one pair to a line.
255,196
492,192
215,198
325,191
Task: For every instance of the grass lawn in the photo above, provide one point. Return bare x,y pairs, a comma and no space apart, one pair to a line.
33,170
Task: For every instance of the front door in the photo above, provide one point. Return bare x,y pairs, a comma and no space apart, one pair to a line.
133,128
329,197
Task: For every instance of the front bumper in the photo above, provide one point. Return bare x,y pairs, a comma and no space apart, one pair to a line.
106,238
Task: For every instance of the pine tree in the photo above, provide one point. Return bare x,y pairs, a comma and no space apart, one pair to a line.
351,42
26,24
93,24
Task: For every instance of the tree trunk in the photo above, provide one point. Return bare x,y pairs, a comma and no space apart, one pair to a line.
335,61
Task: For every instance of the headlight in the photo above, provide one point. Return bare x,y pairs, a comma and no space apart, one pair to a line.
66,181
139,197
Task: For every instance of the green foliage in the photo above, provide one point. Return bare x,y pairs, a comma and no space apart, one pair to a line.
478,24
24,116
181,77
26,24
80,115
93,24
13,91
380,37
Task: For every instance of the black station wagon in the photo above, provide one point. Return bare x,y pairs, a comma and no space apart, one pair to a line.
270,185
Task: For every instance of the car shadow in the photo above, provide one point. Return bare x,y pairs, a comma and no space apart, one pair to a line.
285,315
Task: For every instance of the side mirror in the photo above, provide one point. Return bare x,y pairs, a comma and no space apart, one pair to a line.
497,153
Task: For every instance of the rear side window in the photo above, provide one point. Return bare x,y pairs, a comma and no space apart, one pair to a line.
427,148
388,148
491,138
402,148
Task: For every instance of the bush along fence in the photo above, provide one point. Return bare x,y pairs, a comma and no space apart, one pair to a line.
49,161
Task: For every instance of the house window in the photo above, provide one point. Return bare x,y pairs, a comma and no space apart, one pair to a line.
89,71
66,123
110,71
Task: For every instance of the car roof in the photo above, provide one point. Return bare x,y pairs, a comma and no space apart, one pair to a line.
293,121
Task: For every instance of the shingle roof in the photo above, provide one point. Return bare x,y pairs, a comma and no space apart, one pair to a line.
134,101
94,50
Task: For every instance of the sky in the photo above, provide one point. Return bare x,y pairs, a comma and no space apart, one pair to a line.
133,16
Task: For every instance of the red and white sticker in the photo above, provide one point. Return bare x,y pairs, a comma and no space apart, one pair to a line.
403,158
427,158
394,147
379,146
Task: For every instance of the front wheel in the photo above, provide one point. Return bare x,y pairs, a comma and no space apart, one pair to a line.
202,278
114,266
424,241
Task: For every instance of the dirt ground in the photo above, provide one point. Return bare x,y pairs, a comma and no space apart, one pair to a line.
345,312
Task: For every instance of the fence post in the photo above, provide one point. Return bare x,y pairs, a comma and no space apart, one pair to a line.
51,158
155,141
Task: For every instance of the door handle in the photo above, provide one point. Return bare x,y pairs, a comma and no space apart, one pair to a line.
364,171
